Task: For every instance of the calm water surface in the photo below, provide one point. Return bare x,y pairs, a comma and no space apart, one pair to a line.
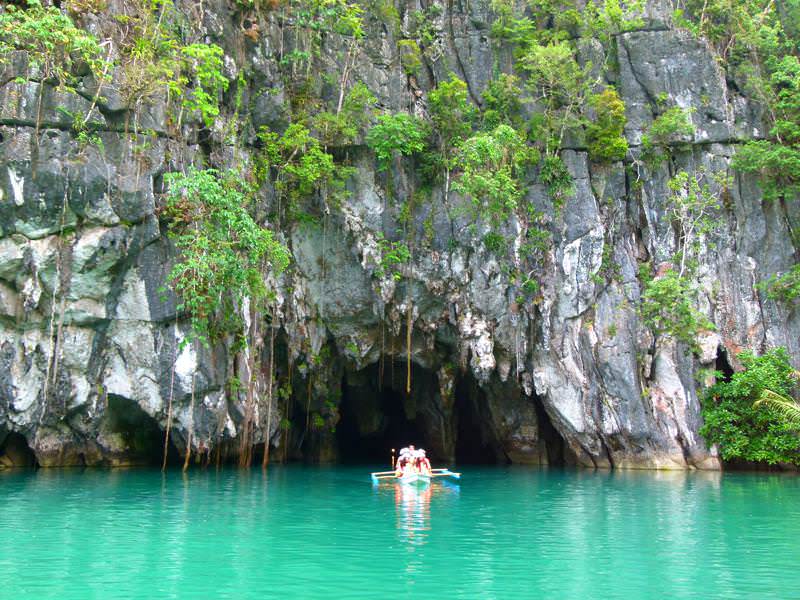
327,533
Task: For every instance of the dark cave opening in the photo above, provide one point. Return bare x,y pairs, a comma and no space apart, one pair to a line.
475,443
141,434
15,452
378,416
556,448
723,365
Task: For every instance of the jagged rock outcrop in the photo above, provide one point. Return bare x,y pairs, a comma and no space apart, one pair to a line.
90,342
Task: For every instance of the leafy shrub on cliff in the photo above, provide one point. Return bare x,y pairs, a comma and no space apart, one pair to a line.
451,112
393,256
605,135
491,166
53,44
672,127
747,432
501,101
559,84
785,286
453,115
202,65
300,163
223,252
343,126
778,158
394,135
667,307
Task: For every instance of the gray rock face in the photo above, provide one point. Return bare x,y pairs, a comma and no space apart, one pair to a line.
92,368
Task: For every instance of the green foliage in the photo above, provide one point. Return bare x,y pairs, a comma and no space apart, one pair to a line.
530,286
342,128
548,21
668,300
747,432
501,101
451,112
410,56
393,256
779,165
298,158
203,66
605,135
611,17
54,46
399,134
422,27
301,166
307,22
694,208
557,178
543,34
510,28
156,63
672,127
495,243
787,408
778,159
386,12
492,164
667,308
223,253
559,84
757,42
784,287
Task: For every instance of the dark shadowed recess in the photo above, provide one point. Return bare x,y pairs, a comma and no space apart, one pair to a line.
15,452
476,443
141,434
723,364
378,414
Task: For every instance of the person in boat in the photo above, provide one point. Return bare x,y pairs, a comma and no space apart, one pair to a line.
404,461
423,464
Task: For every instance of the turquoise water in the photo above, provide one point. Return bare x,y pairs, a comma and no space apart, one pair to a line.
301,532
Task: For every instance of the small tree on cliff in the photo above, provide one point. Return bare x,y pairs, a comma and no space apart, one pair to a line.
224,254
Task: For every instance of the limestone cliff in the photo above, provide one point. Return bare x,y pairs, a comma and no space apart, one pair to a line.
90,342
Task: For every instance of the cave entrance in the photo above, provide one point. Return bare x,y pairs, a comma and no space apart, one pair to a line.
15,452
555,447
377,414
722,364
475,442
140,433
497,424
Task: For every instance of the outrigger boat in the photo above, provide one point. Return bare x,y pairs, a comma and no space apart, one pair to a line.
416,479
413,479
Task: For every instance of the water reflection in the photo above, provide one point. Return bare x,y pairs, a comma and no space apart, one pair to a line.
413,509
